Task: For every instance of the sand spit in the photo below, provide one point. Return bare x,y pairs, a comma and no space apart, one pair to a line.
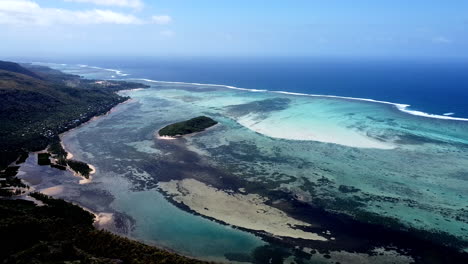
53,191
243,210
164,137
104,220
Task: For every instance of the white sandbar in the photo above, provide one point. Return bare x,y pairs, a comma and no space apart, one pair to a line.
243,210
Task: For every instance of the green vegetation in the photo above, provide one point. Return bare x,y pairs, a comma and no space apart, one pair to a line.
193,125
56,150
60,232
43,159
61,162
79,167
16,68
9,184
39,103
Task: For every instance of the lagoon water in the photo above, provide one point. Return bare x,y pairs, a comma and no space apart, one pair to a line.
325,150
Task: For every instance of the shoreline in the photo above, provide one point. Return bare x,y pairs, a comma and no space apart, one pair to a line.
84,180
94,118
100,116
56,189
157,136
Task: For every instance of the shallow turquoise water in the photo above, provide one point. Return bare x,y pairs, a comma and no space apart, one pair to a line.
412,168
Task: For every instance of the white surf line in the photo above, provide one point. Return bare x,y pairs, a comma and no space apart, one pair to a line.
203,84
401,107
118,72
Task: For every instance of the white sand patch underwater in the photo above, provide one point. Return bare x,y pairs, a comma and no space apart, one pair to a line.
243,210
299,127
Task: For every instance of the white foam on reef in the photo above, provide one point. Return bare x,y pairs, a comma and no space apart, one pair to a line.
448,114
117,72
204,84
402,107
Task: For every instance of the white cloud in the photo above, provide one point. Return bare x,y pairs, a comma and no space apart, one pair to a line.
137,4
167,33
442,40
162,19
24,12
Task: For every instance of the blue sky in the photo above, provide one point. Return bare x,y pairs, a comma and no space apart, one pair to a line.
234,28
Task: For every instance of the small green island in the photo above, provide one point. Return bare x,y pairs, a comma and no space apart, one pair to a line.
193,125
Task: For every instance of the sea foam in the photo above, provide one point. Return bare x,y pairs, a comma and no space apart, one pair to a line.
402,107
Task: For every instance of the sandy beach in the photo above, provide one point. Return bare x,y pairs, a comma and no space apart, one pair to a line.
53,191
242,210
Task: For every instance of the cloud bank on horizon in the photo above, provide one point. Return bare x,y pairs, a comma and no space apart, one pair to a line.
242,27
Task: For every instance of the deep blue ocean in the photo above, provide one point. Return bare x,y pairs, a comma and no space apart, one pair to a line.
434,86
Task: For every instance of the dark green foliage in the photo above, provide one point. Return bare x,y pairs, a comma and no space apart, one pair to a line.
60,231
193,125
56,149
5,193
39,103
15,67
7,157
11,171
43,159
70,213
36,106
22,158
79,167
9,180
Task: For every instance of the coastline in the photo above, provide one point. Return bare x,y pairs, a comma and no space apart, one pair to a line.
58,189
84,180
399,106
99,117
157,136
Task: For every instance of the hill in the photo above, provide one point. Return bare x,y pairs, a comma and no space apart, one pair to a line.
16,68
60,232
37,104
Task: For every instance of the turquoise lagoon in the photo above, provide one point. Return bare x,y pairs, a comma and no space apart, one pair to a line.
324,150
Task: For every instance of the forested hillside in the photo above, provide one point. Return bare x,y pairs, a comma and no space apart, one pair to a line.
39,103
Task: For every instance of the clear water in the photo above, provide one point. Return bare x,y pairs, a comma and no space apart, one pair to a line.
435,86
400,165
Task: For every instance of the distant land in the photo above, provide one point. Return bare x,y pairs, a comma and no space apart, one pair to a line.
37,104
